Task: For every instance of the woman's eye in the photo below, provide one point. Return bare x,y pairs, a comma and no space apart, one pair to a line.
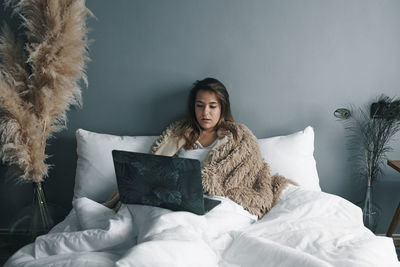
199,106
213,106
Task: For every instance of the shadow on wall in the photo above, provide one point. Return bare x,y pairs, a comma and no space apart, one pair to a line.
61,180
13,196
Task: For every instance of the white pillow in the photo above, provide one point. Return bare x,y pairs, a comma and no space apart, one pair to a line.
95,175
290,156
293,157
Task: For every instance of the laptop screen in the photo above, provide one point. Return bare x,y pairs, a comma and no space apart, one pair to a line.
162,181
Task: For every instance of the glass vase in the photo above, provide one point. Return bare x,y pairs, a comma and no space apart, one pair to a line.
33,220
371,211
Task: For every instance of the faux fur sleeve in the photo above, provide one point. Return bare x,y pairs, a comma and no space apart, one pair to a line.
237,170
167,135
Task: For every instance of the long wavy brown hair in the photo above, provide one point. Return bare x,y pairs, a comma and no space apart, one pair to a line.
190,128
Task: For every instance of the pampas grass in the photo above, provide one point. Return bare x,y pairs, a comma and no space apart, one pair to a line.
39,81
369,138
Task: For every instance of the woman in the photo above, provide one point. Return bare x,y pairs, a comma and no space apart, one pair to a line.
232,165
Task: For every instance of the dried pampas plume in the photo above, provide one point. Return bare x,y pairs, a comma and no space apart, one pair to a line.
39,81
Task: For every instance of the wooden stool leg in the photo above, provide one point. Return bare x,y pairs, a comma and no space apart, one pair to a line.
394,223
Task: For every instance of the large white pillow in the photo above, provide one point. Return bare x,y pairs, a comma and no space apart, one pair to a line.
95,175
290,156
293,157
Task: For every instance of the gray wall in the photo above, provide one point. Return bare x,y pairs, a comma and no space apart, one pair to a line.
287,64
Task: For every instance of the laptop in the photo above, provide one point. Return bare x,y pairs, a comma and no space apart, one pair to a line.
168,182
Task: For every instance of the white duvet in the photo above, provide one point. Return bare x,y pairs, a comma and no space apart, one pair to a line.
305,228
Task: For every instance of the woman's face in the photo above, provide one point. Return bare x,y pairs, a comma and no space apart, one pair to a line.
207,109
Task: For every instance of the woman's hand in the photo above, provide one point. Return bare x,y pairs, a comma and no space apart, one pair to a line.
113,202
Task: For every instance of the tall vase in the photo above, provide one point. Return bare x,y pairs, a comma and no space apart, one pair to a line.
33,220
371,212
42,221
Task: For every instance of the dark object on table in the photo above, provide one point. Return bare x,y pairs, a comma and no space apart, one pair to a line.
383,109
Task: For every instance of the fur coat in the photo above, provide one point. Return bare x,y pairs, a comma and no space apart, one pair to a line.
232,169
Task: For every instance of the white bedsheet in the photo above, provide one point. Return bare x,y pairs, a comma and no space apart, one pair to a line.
305,228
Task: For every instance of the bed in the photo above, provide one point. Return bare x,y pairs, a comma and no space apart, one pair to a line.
306,227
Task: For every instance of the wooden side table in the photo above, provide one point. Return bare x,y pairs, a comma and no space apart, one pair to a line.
395,164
